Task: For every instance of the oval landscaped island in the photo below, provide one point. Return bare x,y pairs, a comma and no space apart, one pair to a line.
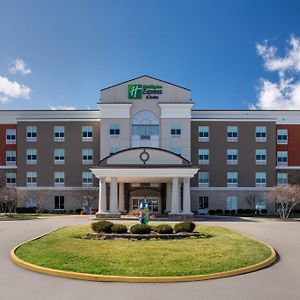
219,252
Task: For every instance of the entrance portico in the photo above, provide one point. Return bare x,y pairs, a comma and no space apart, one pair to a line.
144,165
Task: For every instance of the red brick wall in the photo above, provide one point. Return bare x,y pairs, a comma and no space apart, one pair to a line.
3,146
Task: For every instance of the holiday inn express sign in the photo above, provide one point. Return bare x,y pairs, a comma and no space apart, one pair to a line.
143,91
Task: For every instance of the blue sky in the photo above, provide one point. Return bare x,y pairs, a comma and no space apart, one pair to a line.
72,49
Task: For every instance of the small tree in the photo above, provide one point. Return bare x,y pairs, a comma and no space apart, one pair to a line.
40,197
285,197
251,200
85,194
8,200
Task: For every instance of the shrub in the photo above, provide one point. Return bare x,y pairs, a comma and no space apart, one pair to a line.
164,229
186,226
78,210
264,211
233,212
240,211
219,211
26,210
140,229
226,211
102,226
119,228
249,211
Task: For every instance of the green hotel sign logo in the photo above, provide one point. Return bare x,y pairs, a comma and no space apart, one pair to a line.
140,91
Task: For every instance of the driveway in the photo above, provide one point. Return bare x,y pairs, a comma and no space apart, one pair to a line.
280,281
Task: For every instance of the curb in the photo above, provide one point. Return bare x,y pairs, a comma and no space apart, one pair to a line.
110,278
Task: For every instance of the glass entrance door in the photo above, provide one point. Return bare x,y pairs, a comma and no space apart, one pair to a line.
153,203
203,205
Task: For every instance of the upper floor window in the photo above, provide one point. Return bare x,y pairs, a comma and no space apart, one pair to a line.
87,133
260,133
282,158
176,150
203,179
203,133
261,156
232,179
31,133
232,133
59,133
282,136
87,156
87,179
282,178
11,136
203,156
59,156
31,156
114,130
260,179
11,179
31,179
232,156
11,158
113,150
59,178
176,130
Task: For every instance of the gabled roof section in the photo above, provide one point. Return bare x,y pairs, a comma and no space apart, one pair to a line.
109,87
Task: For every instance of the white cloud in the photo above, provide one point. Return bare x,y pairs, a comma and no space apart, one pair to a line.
285,93
63,107
20,66
11,90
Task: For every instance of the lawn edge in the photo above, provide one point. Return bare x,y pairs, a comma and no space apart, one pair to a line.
111,278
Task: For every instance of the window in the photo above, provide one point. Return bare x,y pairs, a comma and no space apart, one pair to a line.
31,156
260,133
261,156
176,130
282,136
87,133
11,179
231,202
282,158
59,202
31,133
59,133
232,156
87,156
87,203
87,179
232,133
260,203
31,202
176,150
282,178
203,156
260,179
114,130
232,179
31,178
11,158
10,136
113,150
203,179
59,156
203,202
59,178
203,133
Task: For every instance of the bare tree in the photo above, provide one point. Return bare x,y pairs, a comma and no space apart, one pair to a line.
8,200
40,196
286,197
251,200
86,197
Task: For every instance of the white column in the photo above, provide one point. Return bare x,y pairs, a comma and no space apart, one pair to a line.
121,197
168,196
175,200
186,196
102,196
113,196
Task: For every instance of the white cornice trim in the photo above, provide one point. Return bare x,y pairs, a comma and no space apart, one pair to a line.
58,120
234,120
54,188
287,167
176,110
111,110
4,167
218,188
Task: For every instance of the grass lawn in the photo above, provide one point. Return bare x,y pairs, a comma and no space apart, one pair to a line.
66,250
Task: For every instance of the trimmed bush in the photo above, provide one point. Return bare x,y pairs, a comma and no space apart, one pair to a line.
186,226
226,211
119,228
264,211
219,211
140,229
78,210
211,212
102,226
240,211
26,210
164,229
233,212
249,211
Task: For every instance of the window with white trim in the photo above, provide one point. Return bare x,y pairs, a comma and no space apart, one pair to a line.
31,178
282,158
203,133
260,179
87,156
31,201
31,133
232,156
11,179
114,130
11,158
282,178
203,203
232,179
59,179
261,156
282,136
59,133
176,130
87,133
113,150
87,179
231,202
11,135
203,179
260,203
59,202
203,156
232,133
59,156
260,133
31,156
